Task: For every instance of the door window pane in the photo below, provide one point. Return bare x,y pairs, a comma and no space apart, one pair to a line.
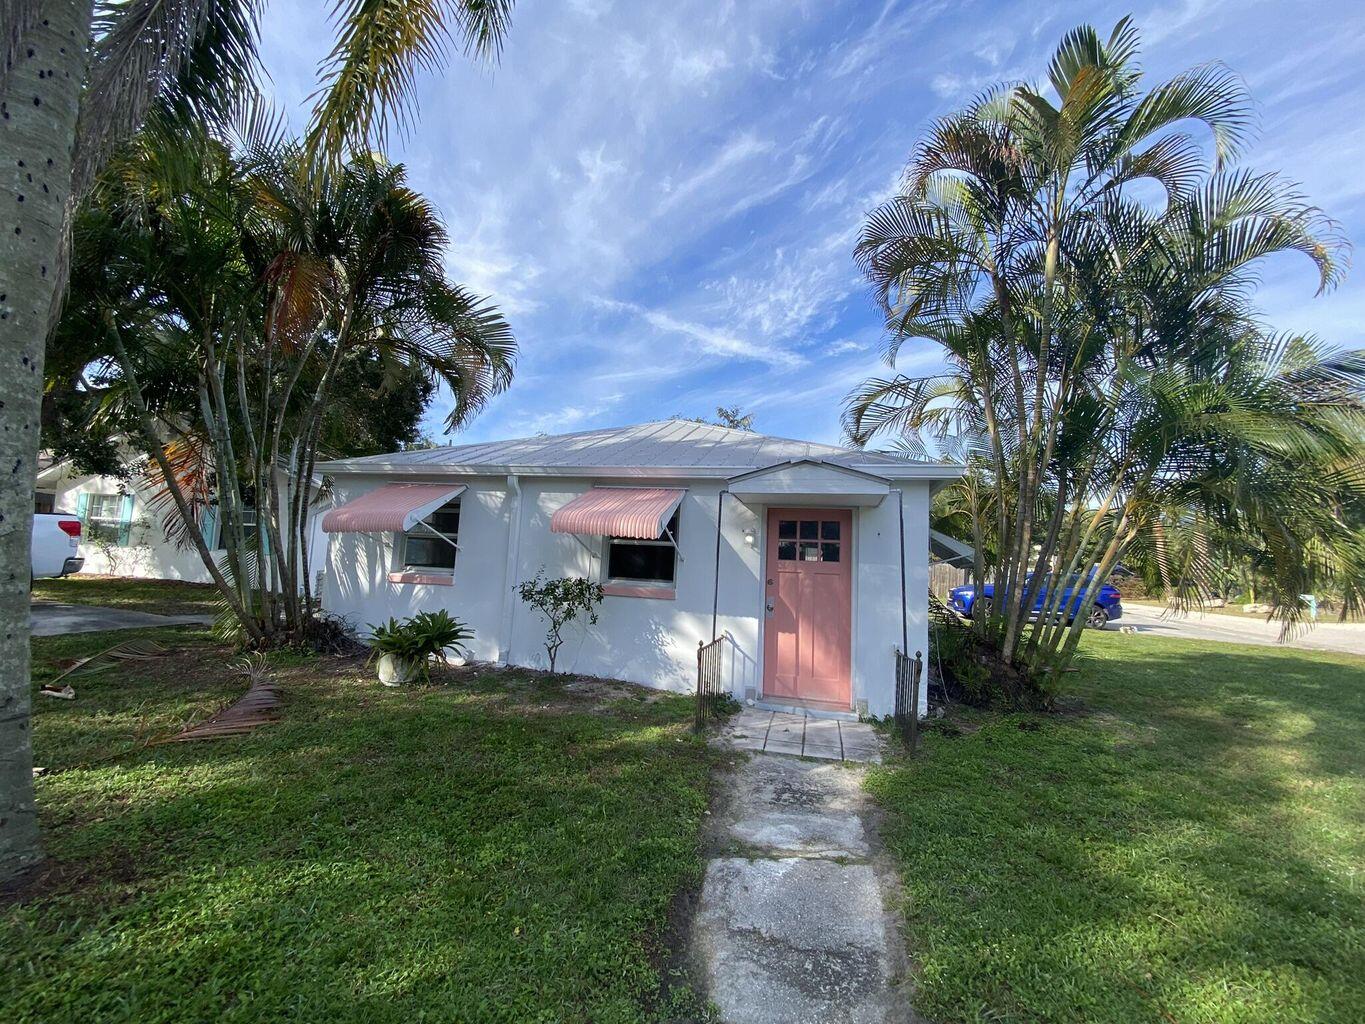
786,551
829,552
810,552
786,529
809,529
829,530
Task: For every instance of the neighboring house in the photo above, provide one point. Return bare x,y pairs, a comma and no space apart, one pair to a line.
123,536
810,561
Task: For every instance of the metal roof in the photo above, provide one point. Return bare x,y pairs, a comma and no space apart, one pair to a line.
663,448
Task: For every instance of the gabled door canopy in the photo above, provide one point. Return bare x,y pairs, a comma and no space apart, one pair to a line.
810,483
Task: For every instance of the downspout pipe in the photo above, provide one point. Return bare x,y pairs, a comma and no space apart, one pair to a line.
715,589
509,607
905,624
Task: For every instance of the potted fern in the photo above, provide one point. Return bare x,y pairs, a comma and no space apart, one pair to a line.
405,649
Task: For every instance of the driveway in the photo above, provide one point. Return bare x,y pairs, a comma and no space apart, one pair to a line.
46,619
1348,637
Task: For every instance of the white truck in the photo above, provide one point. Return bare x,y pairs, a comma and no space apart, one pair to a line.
56,544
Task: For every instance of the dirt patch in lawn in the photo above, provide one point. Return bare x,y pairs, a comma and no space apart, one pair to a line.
557,693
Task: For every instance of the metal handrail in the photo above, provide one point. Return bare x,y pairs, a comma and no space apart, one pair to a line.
708,681
909,674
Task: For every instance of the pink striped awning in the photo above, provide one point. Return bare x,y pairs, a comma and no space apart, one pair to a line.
640,513
393,508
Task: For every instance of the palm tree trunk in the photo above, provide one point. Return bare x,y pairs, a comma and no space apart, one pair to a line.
173,487
39,104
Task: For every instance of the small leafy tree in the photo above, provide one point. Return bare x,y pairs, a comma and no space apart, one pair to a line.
560,601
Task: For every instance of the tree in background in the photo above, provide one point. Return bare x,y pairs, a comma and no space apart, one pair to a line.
726,416
77,79
1104,361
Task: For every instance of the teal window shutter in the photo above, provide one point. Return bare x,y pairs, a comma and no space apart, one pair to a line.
208,526
82,506
125,520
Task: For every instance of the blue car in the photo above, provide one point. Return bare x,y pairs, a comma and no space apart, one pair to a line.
1107,601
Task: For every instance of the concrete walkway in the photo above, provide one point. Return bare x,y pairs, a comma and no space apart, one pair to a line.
780,732
792,925
59,619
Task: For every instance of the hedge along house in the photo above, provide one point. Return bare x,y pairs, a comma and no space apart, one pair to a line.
809,561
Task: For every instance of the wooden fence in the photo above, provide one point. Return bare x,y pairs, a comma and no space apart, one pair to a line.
944,577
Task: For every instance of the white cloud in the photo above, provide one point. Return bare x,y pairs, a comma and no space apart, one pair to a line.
847,345
596,167
699,65
590,9
737,151
708,340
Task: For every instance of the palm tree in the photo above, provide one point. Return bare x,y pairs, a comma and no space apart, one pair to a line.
1091,334
77,79
233,295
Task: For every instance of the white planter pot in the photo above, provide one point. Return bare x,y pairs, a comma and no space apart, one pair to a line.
394,671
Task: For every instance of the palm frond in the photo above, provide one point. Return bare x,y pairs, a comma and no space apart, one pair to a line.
194,58
109,657
368,81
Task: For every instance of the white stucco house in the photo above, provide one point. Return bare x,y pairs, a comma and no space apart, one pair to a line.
810,561
122,532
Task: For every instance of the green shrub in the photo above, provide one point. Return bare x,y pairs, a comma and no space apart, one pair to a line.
417,639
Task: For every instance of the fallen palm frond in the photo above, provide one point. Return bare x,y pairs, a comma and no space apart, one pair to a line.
129,650
258,706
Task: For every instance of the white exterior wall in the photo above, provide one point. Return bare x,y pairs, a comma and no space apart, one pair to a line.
646,640
149,554
356,586
505,538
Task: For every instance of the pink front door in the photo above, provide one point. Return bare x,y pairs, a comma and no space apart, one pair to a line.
809,614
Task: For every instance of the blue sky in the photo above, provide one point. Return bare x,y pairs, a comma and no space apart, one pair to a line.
663,197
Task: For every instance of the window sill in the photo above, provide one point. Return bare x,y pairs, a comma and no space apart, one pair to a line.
626,590
435,579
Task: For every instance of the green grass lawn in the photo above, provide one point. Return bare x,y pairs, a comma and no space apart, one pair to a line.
1190,847
160,597
492,848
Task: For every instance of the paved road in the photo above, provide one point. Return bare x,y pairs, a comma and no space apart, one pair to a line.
1325,636
59,619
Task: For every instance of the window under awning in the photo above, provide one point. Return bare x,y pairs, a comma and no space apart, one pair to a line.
640,513
393,508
